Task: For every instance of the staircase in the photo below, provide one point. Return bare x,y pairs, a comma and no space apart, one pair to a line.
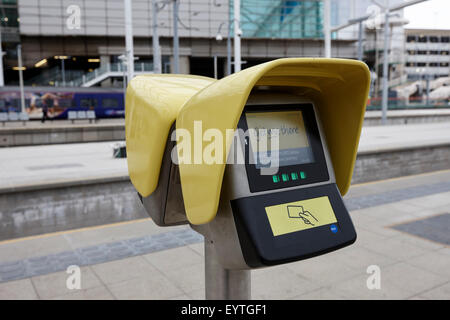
111,70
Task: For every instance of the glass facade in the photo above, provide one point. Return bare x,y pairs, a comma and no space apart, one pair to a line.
280,19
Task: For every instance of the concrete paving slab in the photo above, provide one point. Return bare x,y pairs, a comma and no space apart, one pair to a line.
18,290
97,293
19,249
122,270
411,279
438,293
174,259
395,248
434,262
188,279
280,285
153,286
323,270
324,293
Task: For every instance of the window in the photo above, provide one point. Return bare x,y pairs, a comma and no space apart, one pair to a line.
434,64
445,39
411,39
421,64
444,64
434,52
110,103
434,39
411,52
88,102
421,52
423,39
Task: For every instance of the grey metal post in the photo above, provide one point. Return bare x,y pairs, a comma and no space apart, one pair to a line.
229,48
385,97
223,284
428,89
215,66
2,79
237,35
176,40
360,40
129,39
155,41
327,27
20,65
63,71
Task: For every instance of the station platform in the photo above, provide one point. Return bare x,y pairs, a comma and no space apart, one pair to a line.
62,131
61,187
401,225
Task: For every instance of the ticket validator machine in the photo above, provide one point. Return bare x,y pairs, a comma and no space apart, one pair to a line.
259,203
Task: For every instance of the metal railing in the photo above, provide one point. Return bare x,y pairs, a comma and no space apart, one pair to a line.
111,69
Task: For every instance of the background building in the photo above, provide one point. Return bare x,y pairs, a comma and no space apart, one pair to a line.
428,53
85,38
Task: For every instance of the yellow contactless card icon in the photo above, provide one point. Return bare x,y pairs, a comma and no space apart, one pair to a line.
301,215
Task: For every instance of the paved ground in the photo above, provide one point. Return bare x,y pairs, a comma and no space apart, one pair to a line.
37,165
170,265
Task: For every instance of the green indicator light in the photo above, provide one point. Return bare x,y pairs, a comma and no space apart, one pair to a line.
285,177
302,175
294,176
276,179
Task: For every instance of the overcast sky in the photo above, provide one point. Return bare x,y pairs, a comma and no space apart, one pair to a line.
432,14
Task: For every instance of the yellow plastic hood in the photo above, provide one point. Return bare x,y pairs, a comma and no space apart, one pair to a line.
339,88
152,105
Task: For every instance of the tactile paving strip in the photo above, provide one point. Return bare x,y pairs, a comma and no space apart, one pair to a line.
435,228
97,254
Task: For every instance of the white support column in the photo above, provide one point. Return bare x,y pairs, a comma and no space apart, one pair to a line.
327,27
237,35
157,66
129,39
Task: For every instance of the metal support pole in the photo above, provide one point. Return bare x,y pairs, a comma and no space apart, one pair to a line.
385,96
157,68
327,27
360,40
2,79
129,39
428,89
215,66
176,40
229,48
20,65
237,35
63,71
223,284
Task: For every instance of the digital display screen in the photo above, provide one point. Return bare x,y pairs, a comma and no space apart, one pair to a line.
301,215
289,128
